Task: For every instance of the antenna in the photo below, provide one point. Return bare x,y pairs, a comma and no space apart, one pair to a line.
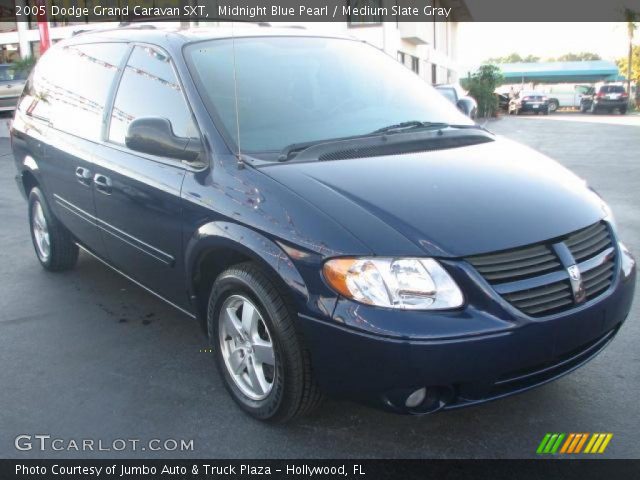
235,88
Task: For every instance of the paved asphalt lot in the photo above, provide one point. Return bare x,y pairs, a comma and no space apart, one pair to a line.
86,354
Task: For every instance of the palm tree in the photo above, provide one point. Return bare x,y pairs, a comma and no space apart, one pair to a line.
630,17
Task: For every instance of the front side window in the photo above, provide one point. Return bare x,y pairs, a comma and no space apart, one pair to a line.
70,85
294,90
149,88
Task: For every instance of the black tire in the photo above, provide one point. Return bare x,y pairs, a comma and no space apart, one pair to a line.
623,110
63,251
553,105
583,108
294,391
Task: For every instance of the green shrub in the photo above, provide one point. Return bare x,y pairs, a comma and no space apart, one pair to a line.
481,86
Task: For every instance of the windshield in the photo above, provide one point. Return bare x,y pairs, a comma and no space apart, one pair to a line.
304,89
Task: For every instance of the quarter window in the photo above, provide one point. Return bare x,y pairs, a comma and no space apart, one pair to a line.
149,88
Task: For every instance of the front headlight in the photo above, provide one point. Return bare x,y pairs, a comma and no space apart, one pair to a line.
404,283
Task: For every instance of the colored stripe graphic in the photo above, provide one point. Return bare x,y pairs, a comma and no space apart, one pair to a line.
543,443
581,443
572,443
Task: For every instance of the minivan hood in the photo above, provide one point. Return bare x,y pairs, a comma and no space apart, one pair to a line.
449,203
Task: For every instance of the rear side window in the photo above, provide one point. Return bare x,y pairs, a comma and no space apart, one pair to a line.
149,88
70,86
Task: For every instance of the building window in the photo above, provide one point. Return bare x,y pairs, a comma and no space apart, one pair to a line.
372,9
401,57
415,64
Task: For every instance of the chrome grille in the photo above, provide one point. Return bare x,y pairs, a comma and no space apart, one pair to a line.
534,279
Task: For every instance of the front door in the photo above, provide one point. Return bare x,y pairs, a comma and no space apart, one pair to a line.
137,196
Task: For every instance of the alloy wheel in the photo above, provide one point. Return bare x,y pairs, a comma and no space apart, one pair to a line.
40,231
246,347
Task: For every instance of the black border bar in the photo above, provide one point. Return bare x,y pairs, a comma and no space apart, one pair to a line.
547,469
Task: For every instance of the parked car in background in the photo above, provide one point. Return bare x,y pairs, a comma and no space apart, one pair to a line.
460,99
562,95
12,82
503,102
383,248
529,101
605,97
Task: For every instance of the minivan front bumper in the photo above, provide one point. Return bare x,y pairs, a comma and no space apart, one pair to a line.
468,365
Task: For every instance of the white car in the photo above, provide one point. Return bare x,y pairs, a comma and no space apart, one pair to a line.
563,95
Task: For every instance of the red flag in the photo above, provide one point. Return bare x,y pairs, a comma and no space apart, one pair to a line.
43,26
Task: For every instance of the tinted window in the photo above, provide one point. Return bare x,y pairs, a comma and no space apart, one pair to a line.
301,89
612,89
70,87
150,88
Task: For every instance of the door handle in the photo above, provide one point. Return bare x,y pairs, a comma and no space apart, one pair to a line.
102,183
83,175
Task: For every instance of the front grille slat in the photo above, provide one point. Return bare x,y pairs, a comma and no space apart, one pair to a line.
541,299
549,307
514,273
516,264
510,268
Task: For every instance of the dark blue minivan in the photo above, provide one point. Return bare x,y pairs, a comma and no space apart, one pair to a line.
334,224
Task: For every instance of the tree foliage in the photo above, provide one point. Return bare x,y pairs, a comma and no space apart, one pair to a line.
481,86
576,57
635,65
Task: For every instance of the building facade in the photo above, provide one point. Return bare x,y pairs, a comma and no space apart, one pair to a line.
427,48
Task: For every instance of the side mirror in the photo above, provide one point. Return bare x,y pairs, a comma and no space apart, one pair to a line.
154,135
466,105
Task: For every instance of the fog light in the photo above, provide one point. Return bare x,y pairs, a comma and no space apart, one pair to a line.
416,398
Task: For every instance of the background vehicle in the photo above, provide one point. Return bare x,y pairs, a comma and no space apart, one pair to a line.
457,96
607,97
12,82
503,102
562,95
529,101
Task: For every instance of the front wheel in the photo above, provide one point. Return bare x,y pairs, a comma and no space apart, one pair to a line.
54,245
259,352
553,106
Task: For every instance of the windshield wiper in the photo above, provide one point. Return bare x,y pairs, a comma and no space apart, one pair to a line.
290,151
410,125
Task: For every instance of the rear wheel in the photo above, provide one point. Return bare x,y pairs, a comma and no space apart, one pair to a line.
259,352
553,105
55,247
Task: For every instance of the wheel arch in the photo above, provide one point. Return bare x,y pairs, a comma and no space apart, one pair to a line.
216,246
29,175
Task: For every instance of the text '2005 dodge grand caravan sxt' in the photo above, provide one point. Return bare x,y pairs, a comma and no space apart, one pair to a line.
334,223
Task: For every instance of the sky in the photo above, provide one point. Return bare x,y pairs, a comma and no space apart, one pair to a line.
480,40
